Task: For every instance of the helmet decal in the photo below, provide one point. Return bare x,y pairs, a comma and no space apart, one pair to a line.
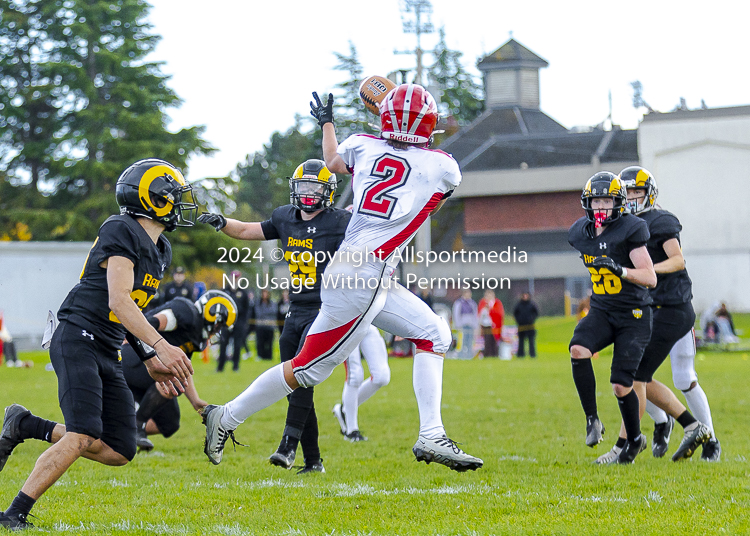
145,184
211,317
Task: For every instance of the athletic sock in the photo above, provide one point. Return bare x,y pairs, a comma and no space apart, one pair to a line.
620,442
655,412
300,403
686,419
33,427
22,504
267,388
349,405
309,439
583,377
698,404
366,390
629,411
428,387
151,402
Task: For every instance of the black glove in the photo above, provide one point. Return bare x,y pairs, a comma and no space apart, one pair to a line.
609,263
217,220
323,114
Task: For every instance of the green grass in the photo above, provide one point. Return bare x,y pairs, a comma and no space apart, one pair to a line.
522,417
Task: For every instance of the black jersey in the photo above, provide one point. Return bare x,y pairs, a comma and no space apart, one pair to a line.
188,334
87,305
301,239
675,288
617,241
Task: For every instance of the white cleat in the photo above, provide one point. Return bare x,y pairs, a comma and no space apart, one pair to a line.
609,457
445,451
216,436
338,412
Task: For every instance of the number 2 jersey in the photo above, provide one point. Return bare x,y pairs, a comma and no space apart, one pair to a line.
618,239
674,288
394,191
301,240
87,305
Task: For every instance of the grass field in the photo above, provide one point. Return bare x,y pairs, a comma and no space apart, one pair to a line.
522,417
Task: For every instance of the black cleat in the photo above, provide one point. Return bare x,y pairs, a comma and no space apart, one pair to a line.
10,437
697,435
14,522
594,431
711,451
315,467
142,441
355,437
632,449
662,433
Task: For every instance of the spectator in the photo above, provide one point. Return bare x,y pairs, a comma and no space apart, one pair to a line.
265,322
526,314
491,315
725,325
238,334
180,287
465,320
425,296
199,289
7,347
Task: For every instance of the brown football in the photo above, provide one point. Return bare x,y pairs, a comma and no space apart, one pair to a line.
373,90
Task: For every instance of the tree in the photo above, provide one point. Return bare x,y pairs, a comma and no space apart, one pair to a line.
262,178
460,95
350,114
83,105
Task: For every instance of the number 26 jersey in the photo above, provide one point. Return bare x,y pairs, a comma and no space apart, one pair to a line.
394,191
619,238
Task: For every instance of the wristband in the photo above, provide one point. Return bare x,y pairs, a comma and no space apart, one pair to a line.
624,273
162,338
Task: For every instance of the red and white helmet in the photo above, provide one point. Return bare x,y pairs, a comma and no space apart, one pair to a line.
408,113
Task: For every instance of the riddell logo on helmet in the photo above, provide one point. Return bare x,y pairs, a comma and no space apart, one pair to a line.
408,138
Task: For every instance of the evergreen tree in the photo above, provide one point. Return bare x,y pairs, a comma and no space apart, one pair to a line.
262,178
460,95
83,86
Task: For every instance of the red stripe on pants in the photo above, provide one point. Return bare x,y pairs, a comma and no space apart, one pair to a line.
318,344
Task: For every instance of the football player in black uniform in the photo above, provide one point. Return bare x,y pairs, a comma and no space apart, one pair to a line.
673,334
120,276
187,325
307,226
612,244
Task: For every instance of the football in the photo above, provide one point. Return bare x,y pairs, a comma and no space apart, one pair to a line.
373,90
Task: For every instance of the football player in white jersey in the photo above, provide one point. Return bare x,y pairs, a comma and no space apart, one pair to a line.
357,390
397,183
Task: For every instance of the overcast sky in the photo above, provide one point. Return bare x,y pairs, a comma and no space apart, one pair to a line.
244,68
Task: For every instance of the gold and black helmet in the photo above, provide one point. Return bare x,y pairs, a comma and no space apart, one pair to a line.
312,186
638,177
604,184
218,310
155,189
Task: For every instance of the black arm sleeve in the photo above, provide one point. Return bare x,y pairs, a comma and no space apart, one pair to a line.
140,348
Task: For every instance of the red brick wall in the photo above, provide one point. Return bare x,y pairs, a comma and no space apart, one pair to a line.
524,212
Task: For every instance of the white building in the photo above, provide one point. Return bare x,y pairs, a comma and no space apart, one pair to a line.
701,162
35,277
